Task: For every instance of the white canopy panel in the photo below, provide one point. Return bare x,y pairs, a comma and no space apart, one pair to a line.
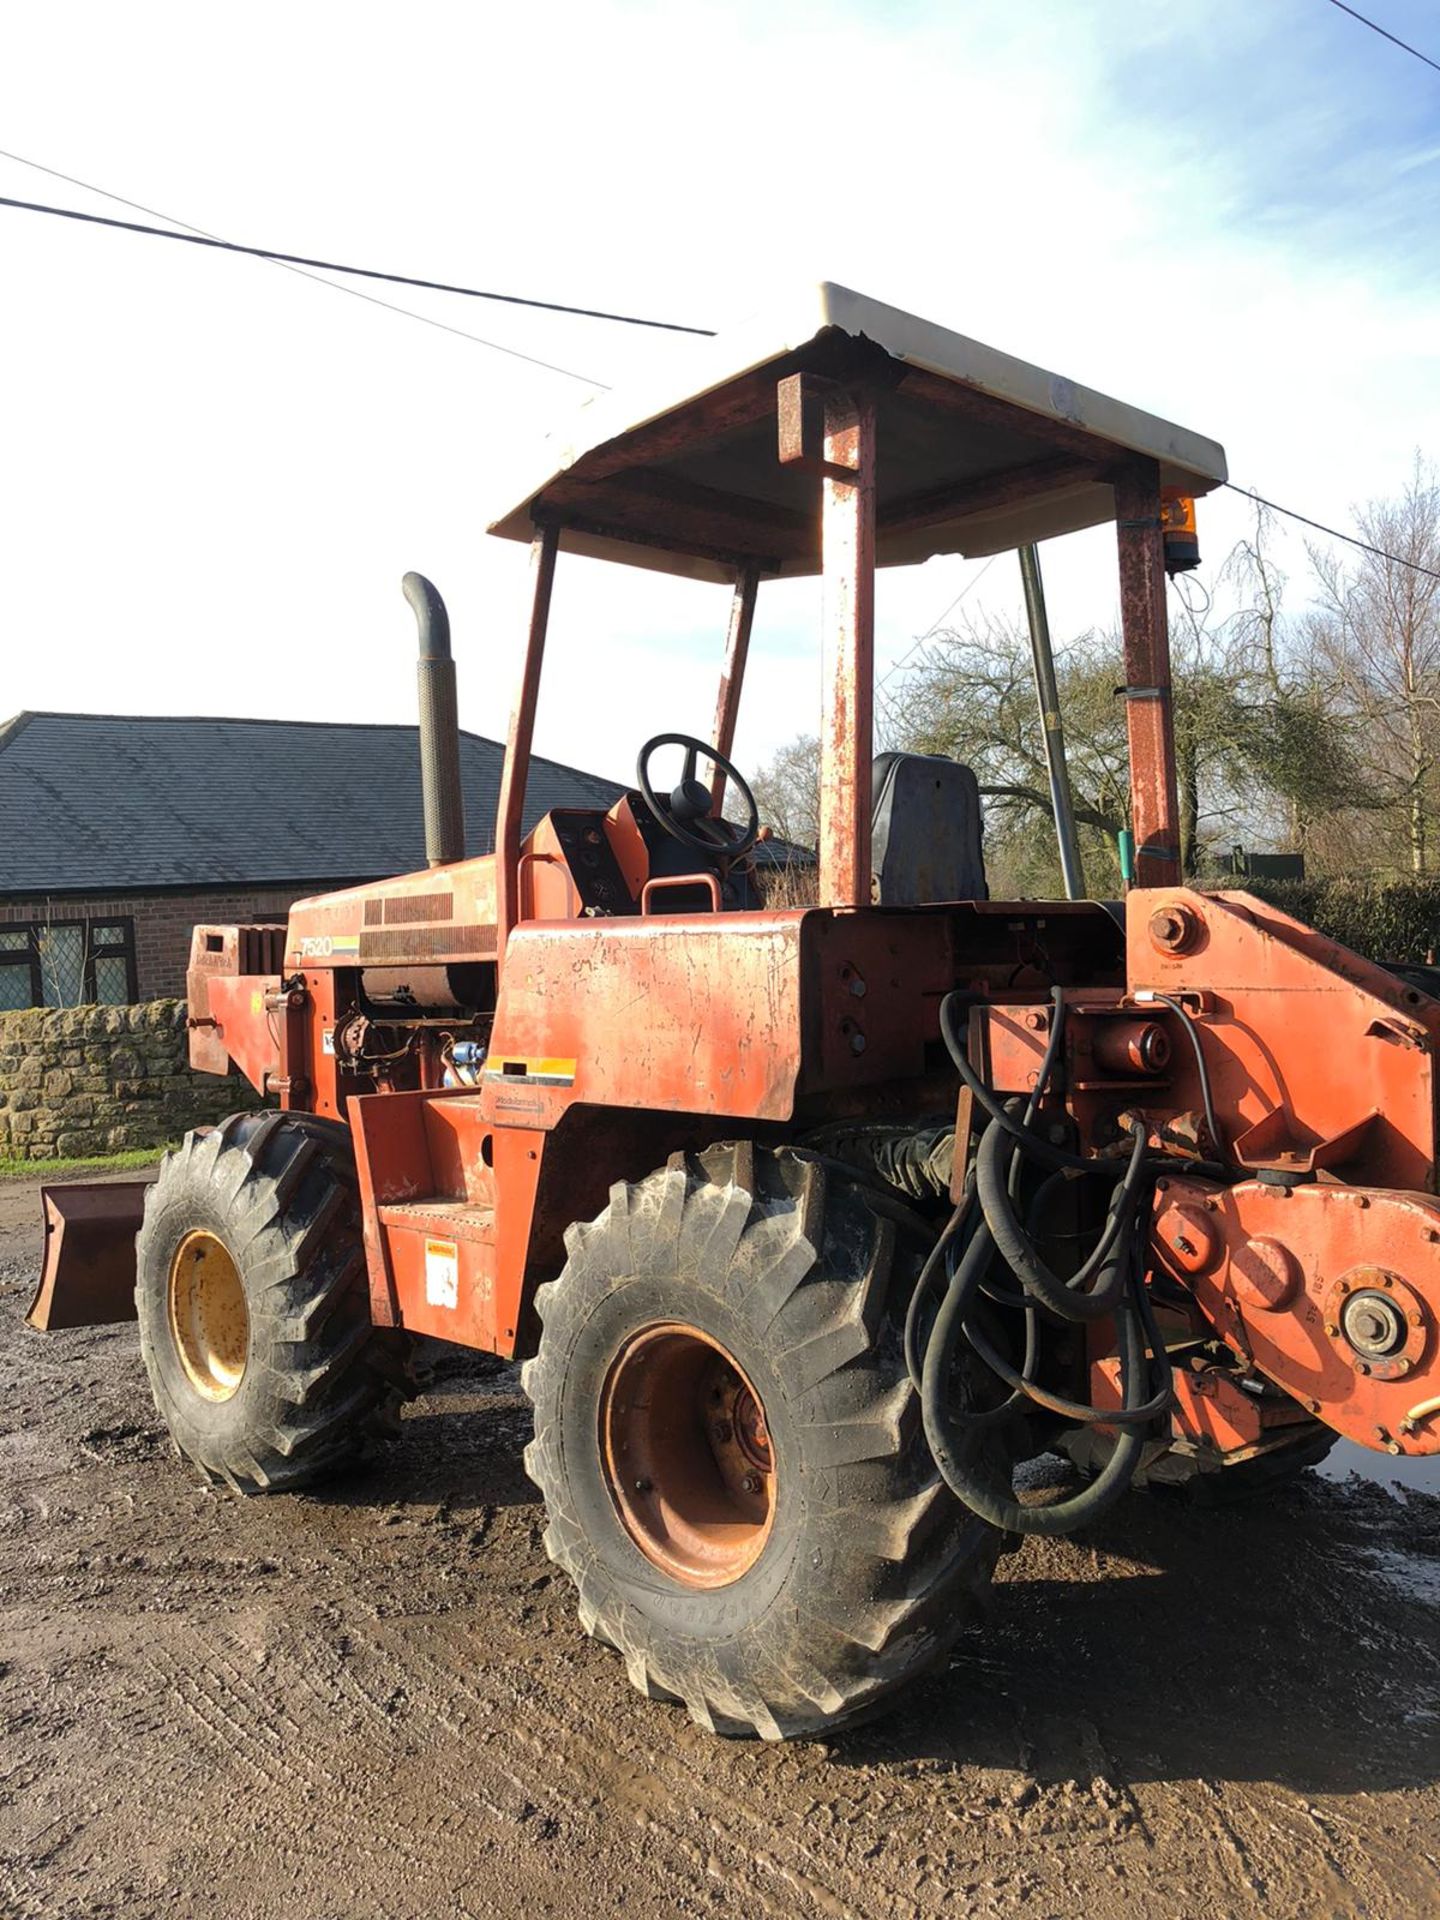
978,451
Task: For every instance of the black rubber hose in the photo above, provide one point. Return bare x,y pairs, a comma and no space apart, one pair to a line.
1159,1402
1192,1034
933,1260
978,1491
1017,1250
913,1364
1038,1149
945,1337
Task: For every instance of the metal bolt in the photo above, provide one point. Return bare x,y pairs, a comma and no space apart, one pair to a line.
857,1043
643,1486
1417,1319
1382,1433
1387,1279
751,1483
1313,1405
1332,1330
1362,1366
722,1432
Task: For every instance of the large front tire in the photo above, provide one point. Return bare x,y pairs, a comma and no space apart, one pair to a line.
730,1450
253,1304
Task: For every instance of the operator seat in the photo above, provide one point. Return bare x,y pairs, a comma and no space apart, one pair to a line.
926,831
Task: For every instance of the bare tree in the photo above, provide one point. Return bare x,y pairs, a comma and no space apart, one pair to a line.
1378,630
787,791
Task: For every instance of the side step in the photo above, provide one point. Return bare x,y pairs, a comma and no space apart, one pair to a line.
440,1259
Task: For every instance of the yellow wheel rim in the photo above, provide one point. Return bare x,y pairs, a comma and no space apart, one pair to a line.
209,1321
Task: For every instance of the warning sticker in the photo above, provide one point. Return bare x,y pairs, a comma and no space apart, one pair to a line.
442,1273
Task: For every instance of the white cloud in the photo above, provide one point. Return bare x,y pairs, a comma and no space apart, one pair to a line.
216,473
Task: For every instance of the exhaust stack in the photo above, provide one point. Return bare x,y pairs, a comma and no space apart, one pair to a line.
439,725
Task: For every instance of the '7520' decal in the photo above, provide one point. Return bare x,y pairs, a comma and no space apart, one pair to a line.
324,946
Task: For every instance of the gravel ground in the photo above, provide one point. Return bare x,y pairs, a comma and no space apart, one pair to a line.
375,1701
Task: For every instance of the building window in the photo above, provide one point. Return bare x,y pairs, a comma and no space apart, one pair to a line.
67,963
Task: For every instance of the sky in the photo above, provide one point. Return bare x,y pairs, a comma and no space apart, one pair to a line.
215,471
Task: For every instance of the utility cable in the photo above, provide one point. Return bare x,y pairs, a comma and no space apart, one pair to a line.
199,239
356,293
1385,34
1398,560
304,265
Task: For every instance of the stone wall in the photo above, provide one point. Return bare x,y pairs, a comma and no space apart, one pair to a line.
94,1080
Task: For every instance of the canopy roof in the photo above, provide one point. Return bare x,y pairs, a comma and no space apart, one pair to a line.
978,451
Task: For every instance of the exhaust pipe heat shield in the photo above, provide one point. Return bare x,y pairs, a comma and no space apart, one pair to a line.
87,1278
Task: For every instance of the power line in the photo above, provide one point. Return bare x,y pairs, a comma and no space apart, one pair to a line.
936,625
1334,533
298,263
1385,34
198,239
356,293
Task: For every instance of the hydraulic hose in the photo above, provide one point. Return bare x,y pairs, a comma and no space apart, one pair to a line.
1065,1297
958,1217
1110,1283
983,1495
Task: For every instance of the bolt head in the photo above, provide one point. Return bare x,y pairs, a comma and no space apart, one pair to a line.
1174,929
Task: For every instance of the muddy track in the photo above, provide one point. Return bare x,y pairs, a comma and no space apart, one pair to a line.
376,1702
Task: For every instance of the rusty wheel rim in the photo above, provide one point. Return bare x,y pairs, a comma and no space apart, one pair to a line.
687,1455
209,1320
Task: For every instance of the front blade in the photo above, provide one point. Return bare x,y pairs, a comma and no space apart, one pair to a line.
88,1275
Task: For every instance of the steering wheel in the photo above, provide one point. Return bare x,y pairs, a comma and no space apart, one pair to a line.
685,812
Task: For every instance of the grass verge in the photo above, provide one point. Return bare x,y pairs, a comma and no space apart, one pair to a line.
99,1163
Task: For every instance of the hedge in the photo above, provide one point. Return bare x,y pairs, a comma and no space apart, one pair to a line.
1396,921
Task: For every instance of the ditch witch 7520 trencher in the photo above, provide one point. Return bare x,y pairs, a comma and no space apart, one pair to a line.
810,1223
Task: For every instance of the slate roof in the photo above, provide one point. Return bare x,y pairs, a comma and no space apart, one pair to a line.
105,801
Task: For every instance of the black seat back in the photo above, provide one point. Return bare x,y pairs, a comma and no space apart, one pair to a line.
926,831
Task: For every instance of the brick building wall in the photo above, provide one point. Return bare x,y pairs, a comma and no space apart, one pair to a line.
162,921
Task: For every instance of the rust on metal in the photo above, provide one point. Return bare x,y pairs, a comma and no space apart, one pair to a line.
848,536
732,675
87,1275
1335,1303
522,731
687,1455
936,505
674,882
1154,804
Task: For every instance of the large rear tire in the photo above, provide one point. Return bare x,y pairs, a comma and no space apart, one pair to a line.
730,1449
253,1304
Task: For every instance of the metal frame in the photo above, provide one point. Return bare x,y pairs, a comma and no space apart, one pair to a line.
842,456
